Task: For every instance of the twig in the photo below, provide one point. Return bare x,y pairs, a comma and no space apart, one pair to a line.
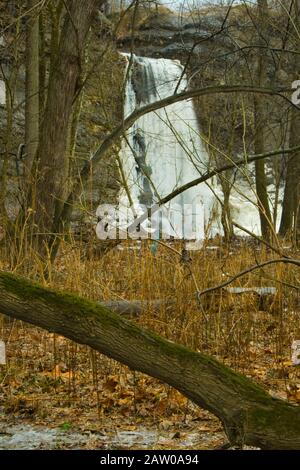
249,270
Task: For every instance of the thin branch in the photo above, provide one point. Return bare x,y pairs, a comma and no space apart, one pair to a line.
249,270
210,174
261,240
132,118
197,43
113,137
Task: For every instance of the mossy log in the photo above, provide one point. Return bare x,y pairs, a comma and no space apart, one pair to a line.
248,413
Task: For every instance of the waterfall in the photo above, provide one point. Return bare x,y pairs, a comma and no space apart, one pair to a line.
163,149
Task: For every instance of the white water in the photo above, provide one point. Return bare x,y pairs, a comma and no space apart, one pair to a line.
166,145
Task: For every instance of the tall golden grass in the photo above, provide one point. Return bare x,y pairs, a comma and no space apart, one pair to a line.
249,335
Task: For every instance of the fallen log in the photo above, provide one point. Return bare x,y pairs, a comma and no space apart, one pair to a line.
264,295
248,413
261,291
133,308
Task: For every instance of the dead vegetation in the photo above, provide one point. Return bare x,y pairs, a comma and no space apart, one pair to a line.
50,380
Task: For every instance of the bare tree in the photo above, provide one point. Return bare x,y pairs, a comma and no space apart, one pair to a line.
50,169
259,122
32,85
290,220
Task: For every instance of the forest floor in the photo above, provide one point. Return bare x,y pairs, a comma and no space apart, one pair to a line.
76,398
58,394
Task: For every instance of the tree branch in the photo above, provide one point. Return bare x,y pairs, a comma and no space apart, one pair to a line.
209,175
249,270
116,134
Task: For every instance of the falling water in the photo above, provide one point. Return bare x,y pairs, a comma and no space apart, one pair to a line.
163,149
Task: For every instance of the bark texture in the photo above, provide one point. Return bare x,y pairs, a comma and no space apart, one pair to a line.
32,85
290,219
51,168
249,414
260,122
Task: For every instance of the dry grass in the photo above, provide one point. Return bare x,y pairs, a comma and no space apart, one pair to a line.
53,380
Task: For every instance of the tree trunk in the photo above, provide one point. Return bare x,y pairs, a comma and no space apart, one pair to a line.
259,121
249,414
290,219
32,87
51,168
291,199
42,65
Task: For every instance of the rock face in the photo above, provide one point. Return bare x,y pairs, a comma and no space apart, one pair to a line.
203,42
170,35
